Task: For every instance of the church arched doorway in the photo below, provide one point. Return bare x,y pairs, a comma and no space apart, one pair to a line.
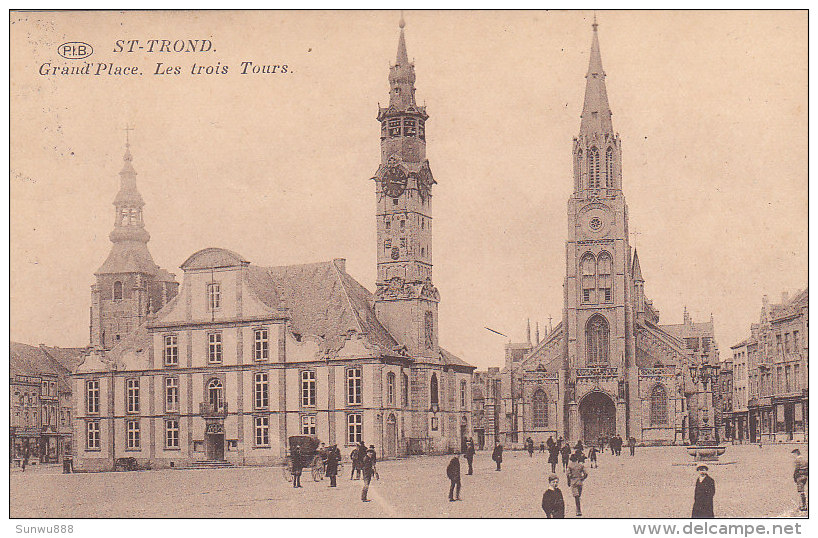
598,414
391,436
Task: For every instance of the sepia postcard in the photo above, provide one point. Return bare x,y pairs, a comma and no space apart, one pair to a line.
409,264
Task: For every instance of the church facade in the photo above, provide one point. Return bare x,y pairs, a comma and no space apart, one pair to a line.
608,367
224,369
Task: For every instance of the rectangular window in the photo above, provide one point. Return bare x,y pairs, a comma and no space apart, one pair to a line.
172,394
410,127
308,395
786,342
262,395
214,347
92,435
132,395
394,127
463,389
214,296
172,433
778,347
171,352
262,345
262,431
355,428
795,341
92,396
354,386
308,424
132,438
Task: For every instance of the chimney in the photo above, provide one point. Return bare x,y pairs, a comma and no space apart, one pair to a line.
341,264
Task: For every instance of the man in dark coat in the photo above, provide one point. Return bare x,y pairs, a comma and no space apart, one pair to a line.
801,476
470,455
550,442
565,452
296,467
553,457
368,468
497,455
553,503
355,459
632,444
703,496
453,472
333,457
529,445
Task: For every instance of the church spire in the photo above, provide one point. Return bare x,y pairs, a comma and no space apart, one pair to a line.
402,75
128,223
596,112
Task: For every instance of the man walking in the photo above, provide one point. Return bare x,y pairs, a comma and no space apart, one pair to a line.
592,456
576,478
453,472
632,444
368,469
565,452
800,476
553,457
470,455
703,495
553,503
497,455
529,445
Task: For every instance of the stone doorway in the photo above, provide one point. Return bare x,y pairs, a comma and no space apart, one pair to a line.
214,446
598,414
391,436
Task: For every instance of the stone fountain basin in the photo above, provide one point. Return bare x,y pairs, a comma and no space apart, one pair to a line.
706,453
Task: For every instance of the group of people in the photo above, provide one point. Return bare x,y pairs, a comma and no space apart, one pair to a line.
573,463
453,469
560,450
616,443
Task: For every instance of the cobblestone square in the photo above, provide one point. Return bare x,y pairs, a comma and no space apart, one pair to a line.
651,484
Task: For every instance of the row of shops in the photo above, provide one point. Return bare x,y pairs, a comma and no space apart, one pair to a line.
772,419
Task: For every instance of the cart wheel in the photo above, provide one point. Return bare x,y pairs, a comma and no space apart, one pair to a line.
288,475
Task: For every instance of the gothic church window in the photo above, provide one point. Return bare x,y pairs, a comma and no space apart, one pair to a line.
405,389
539,408
593,169
658,406
588,272
117,291
605,280
609,171
433,388
429,329
597,336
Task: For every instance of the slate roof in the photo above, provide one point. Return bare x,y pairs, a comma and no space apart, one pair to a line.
132,257
450,359
25,359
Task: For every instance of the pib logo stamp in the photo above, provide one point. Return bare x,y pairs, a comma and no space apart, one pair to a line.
75,50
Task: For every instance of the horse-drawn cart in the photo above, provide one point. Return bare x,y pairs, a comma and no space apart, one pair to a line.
311,456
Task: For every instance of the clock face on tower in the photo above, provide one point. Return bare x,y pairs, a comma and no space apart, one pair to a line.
394,181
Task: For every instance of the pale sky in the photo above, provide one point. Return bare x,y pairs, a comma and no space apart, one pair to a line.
711,109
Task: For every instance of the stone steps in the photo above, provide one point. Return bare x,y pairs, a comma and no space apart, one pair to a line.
210,464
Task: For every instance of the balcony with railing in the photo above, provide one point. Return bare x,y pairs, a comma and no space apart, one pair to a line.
596,371
211,410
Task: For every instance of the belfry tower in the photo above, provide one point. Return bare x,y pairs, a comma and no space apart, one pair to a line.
406,300
129,285
598,313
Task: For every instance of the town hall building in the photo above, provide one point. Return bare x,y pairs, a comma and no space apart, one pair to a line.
608,367
229,364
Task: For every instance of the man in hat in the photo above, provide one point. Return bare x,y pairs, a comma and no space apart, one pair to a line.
576,478
453,472
552,502
704,493
368,468
800,477
470,455
497,455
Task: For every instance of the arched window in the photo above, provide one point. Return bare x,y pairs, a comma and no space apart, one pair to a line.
390,388
593,169
658,406
215,394
604,264
588,271
578,170
117,291
597,335
433,389
539,410
405,389
609,171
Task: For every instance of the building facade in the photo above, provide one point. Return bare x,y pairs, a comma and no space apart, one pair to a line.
775,378
245,356
608,367
40,402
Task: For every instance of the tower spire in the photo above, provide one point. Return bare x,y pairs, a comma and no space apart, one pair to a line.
596,112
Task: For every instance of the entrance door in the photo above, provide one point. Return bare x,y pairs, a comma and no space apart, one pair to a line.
598,414
215,446
753,428
391,436
789,419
